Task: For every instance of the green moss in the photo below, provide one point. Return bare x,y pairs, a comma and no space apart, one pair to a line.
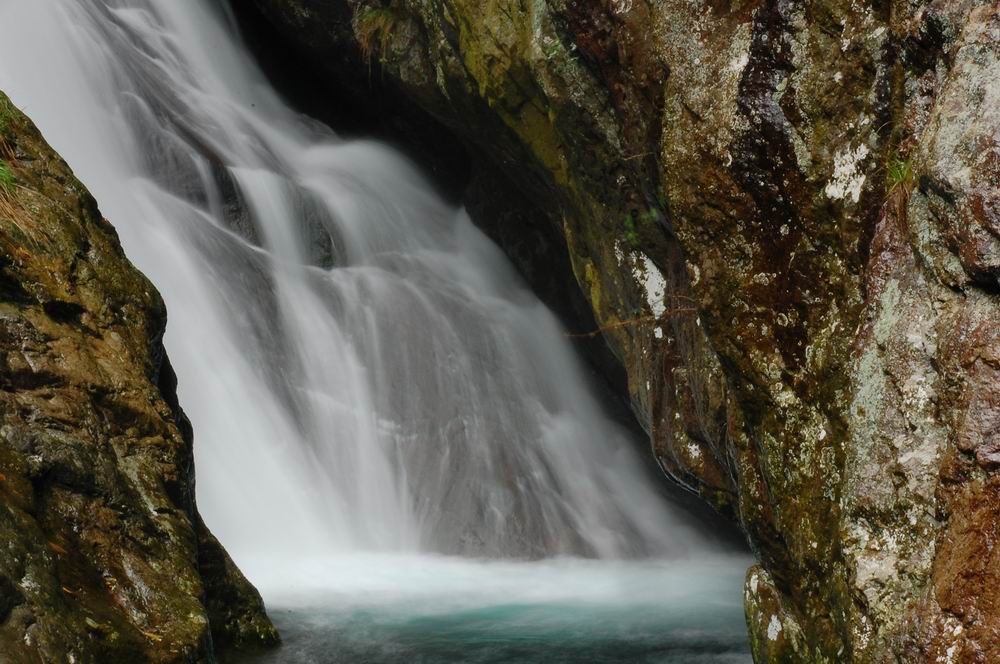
374,28
552,49
8,113
899,174
649,217
900,179
631,233
7,179
635,221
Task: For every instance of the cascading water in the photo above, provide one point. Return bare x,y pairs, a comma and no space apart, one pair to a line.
368,379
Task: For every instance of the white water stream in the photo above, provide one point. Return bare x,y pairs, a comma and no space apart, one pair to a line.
371,385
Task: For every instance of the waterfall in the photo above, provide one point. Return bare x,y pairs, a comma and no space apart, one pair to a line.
363,368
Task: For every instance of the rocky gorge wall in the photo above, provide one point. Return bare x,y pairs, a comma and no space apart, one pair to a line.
105,558
785,218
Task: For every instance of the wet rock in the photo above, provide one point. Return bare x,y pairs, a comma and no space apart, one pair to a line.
775,636
104,556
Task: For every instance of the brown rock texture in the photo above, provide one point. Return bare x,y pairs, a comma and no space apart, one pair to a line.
104,556
785,218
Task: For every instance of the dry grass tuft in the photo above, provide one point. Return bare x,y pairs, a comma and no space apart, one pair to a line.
11,209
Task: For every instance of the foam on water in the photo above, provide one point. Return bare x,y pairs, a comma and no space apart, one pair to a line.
392,608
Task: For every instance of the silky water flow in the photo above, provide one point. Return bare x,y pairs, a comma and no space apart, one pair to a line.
393,436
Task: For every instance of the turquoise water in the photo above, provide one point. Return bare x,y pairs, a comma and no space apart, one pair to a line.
429,610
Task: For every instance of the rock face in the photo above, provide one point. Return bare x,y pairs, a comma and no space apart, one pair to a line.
105,558
785,217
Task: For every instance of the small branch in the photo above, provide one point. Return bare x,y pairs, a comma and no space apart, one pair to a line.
642,320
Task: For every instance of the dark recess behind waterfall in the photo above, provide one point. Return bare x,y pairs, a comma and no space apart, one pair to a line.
367,105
